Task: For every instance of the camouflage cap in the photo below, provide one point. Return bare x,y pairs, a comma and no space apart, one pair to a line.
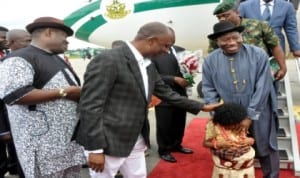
224,6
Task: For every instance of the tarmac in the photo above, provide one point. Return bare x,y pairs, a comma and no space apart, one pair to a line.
152,159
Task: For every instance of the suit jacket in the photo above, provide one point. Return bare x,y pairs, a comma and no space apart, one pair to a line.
113,108
168,68
283,17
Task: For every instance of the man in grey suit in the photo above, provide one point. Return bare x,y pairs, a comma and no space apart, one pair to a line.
114,103
281,16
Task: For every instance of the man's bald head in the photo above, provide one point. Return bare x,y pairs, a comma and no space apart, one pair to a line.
152,29
16,34
153,39
117,43
18,38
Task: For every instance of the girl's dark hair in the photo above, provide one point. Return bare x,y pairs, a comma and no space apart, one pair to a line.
229,114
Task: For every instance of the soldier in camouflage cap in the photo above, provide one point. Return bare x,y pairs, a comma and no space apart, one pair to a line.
256,32
225,6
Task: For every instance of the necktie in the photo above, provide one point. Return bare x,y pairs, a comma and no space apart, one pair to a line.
266,14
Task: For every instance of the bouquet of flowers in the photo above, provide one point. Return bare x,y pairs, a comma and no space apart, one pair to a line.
189,66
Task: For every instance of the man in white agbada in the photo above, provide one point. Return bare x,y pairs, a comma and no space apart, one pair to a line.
41,93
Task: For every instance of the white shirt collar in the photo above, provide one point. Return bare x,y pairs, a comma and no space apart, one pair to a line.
138,56
271,3
143,64
263,6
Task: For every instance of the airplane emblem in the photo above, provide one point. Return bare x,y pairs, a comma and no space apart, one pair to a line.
116,10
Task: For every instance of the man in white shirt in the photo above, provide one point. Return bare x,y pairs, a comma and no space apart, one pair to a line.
114,103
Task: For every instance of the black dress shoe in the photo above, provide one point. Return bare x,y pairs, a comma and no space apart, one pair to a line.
183,150
168,157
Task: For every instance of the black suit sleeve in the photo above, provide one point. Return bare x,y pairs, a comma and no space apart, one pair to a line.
165,93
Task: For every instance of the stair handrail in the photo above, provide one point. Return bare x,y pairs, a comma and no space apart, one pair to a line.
292,122
298,68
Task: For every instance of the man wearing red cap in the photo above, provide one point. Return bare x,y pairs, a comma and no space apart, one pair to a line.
41,93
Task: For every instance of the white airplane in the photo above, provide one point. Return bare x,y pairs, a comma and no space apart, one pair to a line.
102,22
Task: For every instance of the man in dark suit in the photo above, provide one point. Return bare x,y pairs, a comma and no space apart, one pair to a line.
170,120
4,137
3,120
113,108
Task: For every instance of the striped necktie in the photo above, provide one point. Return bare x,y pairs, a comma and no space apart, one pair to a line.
267,14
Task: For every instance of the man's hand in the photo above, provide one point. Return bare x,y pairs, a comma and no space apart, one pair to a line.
6,137
280,74
210,107
181,81
296,53
248,141
73,93
96,161
224,144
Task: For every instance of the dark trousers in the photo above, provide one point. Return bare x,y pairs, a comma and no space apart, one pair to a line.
270,165
9,160
3,159
170,125
13,165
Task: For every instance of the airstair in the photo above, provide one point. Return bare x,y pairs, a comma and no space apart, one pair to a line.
287,135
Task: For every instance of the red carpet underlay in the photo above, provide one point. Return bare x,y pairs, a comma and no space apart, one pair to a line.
199,164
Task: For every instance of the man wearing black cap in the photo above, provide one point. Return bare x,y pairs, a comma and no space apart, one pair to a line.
41,93
240,73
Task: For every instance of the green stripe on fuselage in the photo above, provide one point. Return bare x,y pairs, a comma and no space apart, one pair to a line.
77,15
159,4
92,24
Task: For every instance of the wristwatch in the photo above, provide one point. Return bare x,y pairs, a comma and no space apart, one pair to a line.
62,93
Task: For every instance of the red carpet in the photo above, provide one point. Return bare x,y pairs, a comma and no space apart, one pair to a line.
199,164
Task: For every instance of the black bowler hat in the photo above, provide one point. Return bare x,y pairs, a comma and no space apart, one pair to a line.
44,22
224,27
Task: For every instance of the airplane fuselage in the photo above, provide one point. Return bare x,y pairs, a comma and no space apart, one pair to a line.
192,20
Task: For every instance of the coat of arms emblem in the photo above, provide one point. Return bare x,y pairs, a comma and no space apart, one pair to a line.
116,9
